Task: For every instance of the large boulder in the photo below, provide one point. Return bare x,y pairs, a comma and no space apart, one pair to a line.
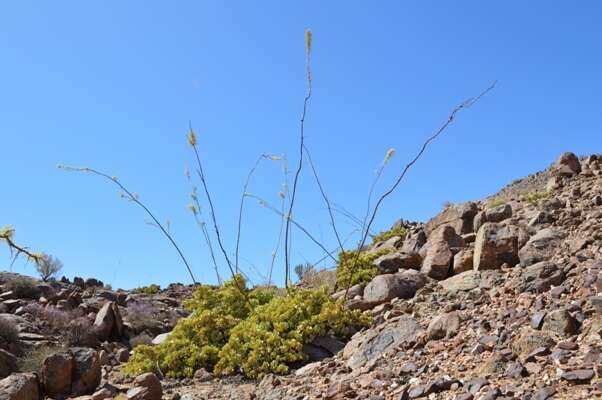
541,246
438,261
86,371
499,213
457,216
568,164
369,346
20,387
402,285
463,282
540,277
108,323
495,245
8,363
56,374
393,262
462,261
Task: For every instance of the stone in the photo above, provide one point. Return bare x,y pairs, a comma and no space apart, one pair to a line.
393,262
402,285
457,216
462,261
540,277
544,393
122,355
540,247
537,319
202,375
495,245
55,374
499,213
462,282
567,165
530,340
578,376
560,322
146,387
22,386
448,235
444,326
86,371
104,322
8,363
438,260
366,348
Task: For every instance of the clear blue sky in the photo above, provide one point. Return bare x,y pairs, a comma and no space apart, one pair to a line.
112,85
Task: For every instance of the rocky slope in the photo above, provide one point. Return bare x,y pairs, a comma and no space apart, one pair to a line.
495,299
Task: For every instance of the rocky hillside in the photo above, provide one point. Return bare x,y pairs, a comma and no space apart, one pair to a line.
493,299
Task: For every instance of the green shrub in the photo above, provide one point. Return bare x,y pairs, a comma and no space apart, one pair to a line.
150,289
231,334
353,268
23,288
195,341
274,334
495,201
386,235
534,198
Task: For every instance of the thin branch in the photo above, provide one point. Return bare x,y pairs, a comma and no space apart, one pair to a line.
295,223
6,234
379,173
134,198
328,206
283,195
196,210
466,104
308,40
193,143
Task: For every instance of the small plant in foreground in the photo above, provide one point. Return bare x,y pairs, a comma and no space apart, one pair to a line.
354,268
386,235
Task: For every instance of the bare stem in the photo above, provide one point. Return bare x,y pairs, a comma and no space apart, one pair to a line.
465,104
134,198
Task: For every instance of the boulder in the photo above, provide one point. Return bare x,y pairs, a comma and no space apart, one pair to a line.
108,323
414,242
567,165
438,260
146,387
402,285
462,282
448,235
499,213
445,325
370,346
56,374
8,363
462,261
457,216
495,245
560,322
86,371
20,387
541,246
540,277
393,262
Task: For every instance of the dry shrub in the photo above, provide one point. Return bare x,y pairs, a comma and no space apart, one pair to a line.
23,288
80,333
56,318
9,333
140,314
33,359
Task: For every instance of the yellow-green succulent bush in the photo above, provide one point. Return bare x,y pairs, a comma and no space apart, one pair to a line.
254,333
273,335
151,289
353,268
386,235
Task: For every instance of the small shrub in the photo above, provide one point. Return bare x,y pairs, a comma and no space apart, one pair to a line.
33,359
386,235
495,202
150,289
274,334
353,268
23,288
9,333
48,266
303,269
534,198
57,319
79,332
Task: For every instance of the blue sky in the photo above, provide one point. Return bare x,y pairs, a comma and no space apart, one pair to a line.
112,85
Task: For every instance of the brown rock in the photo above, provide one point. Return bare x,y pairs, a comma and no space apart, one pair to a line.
462,261
457,216
86,372
438,260
560,322
541,246
567,165
402,285
20,387
393,262
495,245
147,387
530,340
55,374
445,325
